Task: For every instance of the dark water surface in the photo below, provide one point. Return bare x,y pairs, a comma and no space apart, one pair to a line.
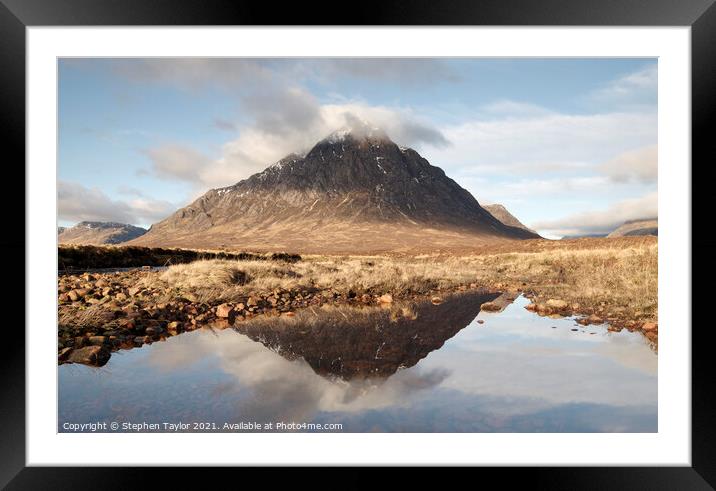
440,372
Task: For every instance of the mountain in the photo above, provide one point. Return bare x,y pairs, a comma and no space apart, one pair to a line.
645,226
98,233
354,191
60,230
500,212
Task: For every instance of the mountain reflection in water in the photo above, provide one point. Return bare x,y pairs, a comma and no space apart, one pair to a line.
379,370
371,342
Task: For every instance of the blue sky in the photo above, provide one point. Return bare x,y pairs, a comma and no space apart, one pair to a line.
567,145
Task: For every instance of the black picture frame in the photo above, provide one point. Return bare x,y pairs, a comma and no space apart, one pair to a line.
700,15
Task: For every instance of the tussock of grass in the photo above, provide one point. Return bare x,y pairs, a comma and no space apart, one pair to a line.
206,274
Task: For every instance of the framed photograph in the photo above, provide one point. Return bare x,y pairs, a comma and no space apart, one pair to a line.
434,237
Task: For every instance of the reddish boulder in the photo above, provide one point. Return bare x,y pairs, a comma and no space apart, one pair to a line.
224,311
649,326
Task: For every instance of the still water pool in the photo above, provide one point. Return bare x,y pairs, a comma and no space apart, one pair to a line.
438,368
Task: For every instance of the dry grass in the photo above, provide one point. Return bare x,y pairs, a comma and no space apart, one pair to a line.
612,275
618,280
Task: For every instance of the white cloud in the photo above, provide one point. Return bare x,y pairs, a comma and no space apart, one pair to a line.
638,87
541,161
639,164
602,221
548,187
76,203
295,126
177,161
534,143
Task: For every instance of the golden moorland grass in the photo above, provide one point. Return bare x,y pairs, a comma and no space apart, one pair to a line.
613,276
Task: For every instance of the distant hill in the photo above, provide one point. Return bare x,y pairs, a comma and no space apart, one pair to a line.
646,226
642,226
98,233
584,236
354,191
500,212
60,230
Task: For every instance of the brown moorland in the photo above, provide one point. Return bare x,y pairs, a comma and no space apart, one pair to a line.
610,281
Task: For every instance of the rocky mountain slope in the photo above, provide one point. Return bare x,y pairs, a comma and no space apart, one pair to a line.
354,191
649,226
98,233
500,212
